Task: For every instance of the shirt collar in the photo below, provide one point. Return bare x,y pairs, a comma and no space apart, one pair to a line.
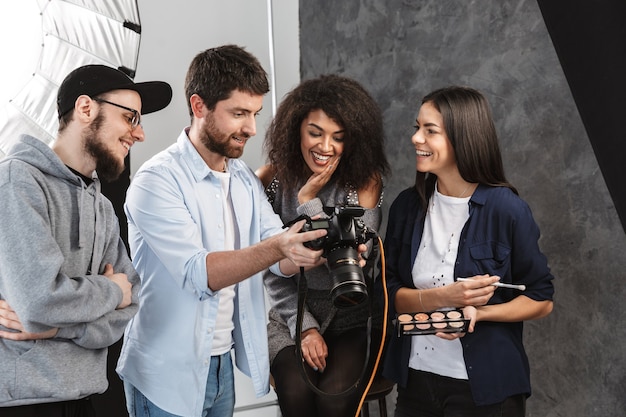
199,168
480,195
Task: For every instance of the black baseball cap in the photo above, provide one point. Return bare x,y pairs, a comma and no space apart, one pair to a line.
93,80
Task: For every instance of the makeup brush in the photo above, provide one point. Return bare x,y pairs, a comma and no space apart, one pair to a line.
499,284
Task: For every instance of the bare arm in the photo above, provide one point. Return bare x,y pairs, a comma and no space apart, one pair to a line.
230,267
369,196
520,308
266,174
476,292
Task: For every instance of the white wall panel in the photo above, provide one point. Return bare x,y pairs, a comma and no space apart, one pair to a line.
173,32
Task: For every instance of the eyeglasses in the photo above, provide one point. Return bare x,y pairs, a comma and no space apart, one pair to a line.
133,121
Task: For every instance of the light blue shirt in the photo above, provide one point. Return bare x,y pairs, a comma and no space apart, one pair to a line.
175,218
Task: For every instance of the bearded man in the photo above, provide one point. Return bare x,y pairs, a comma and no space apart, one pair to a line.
67,285
201,231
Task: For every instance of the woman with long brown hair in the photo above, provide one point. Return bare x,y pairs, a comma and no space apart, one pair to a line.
451,241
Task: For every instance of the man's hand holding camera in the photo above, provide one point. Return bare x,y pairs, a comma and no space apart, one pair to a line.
296,254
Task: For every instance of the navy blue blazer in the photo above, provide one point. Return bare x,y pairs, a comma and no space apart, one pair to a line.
499,238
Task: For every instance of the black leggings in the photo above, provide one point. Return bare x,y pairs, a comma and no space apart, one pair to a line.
346,355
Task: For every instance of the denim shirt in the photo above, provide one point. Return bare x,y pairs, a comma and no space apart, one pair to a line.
499,238
175,219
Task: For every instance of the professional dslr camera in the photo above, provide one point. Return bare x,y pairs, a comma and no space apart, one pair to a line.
345,232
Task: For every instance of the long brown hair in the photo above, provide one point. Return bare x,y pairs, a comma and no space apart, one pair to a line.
350,106
469,125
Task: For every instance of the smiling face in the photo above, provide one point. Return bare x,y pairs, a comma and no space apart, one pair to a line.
227,128
110,135
433,149
321,140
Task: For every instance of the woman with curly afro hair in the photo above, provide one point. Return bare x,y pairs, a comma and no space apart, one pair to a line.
326,149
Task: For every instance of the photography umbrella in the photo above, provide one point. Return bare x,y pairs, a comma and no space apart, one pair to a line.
74,33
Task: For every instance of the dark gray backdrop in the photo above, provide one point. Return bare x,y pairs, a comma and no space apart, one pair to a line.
402,49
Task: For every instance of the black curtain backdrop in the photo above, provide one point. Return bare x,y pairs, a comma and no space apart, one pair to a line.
590,40
113,403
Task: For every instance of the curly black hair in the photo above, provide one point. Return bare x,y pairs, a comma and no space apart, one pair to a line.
349,105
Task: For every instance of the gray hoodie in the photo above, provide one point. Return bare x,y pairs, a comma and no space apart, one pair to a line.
56,236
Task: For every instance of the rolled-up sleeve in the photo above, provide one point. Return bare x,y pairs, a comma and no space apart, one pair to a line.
162,228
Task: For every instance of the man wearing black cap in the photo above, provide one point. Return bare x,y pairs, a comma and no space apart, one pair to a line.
67,286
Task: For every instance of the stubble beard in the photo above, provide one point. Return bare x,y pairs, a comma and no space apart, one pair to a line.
218,142
108,165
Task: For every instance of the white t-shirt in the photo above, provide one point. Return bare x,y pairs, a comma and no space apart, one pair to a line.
434,267
223,338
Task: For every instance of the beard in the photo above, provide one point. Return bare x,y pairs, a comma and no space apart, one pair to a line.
108,165
218,142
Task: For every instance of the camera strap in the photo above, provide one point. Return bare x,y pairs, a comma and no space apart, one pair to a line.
302,292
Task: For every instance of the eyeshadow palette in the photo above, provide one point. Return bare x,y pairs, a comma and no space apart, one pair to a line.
450,321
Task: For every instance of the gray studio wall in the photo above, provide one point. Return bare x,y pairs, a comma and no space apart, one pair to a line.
402,49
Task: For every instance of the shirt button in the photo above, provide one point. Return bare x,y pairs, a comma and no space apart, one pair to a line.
207,361
209,331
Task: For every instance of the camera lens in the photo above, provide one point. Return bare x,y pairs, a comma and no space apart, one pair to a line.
349,288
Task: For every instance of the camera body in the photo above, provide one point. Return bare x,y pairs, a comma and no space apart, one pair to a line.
345,232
